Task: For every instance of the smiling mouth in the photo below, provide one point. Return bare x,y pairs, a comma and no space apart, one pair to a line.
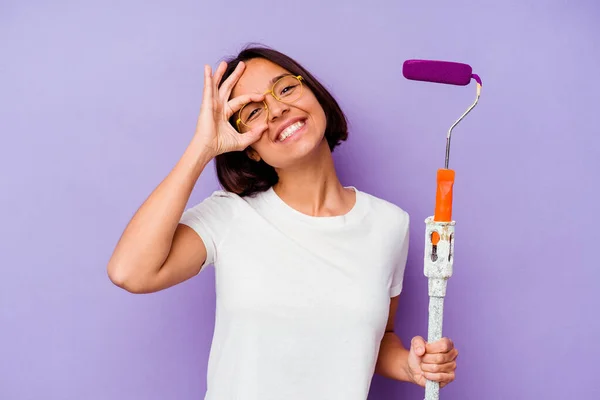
291,130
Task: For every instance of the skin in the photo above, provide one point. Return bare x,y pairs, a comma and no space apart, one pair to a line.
304,164
155,253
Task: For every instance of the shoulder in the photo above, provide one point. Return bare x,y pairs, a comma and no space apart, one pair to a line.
224,195
387,210
221,197
219,201
228,202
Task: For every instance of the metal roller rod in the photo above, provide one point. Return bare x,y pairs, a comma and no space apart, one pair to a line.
449,135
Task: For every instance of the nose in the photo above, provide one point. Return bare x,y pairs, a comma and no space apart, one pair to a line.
276,108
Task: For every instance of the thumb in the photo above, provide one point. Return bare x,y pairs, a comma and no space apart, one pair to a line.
248,138
417,345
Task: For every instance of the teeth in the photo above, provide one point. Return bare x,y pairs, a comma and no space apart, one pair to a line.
290,130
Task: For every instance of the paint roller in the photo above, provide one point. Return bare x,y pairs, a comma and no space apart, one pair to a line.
439,228
450,73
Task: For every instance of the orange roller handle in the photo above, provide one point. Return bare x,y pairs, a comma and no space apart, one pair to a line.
443,195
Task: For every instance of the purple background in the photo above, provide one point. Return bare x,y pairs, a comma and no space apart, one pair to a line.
98,101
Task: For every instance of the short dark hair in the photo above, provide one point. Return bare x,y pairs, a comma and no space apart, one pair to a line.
238,173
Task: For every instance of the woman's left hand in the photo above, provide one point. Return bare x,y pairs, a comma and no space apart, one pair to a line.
432,361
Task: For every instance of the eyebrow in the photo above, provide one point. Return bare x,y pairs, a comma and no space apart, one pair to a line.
278,77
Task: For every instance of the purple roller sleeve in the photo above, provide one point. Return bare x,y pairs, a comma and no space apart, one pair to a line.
451,73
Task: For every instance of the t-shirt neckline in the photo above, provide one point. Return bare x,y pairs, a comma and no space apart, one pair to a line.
354,214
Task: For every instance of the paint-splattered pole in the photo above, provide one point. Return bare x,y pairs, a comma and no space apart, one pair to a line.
439,249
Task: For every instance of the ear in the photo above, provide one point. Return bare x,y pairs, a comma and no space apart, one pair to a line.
252,154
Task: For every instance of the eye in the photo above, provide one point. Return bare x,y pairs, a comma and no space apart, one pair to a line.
288,90
253,113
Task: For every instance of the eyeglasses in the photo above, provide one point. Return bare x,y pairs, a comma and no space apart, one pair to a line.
286,89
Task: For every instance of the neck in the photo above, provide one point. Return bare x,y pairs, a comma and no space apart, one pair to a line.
312,187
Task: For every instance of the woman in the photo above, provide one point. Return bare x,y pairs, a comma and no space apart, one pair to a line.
308,272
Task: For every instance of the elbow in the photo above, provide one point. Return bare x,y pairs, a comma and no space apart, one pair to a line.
117,276
124,280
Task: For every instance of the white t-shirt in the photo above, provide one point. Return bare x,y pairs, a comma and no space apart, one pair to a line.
301,301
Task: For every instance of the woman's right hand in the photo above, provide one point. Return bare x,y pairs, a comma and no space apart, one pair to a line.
213,129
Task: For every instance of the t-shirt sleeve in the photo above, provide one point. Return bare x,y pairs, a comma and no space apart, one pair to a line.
400,261
211,219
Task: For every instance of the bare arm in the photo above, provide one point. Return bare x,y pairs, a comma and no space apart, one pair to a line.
155,251
393,356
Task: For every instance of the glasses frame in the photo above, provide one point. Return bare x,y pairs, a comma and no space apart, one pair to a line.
271,91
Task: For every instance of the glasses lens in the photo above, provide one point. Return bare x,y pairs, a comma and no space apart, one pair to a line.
252,112
288,89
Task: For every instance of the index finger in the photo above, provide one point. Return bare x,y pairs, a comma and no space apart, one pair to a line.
439,358
443,345
235,104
